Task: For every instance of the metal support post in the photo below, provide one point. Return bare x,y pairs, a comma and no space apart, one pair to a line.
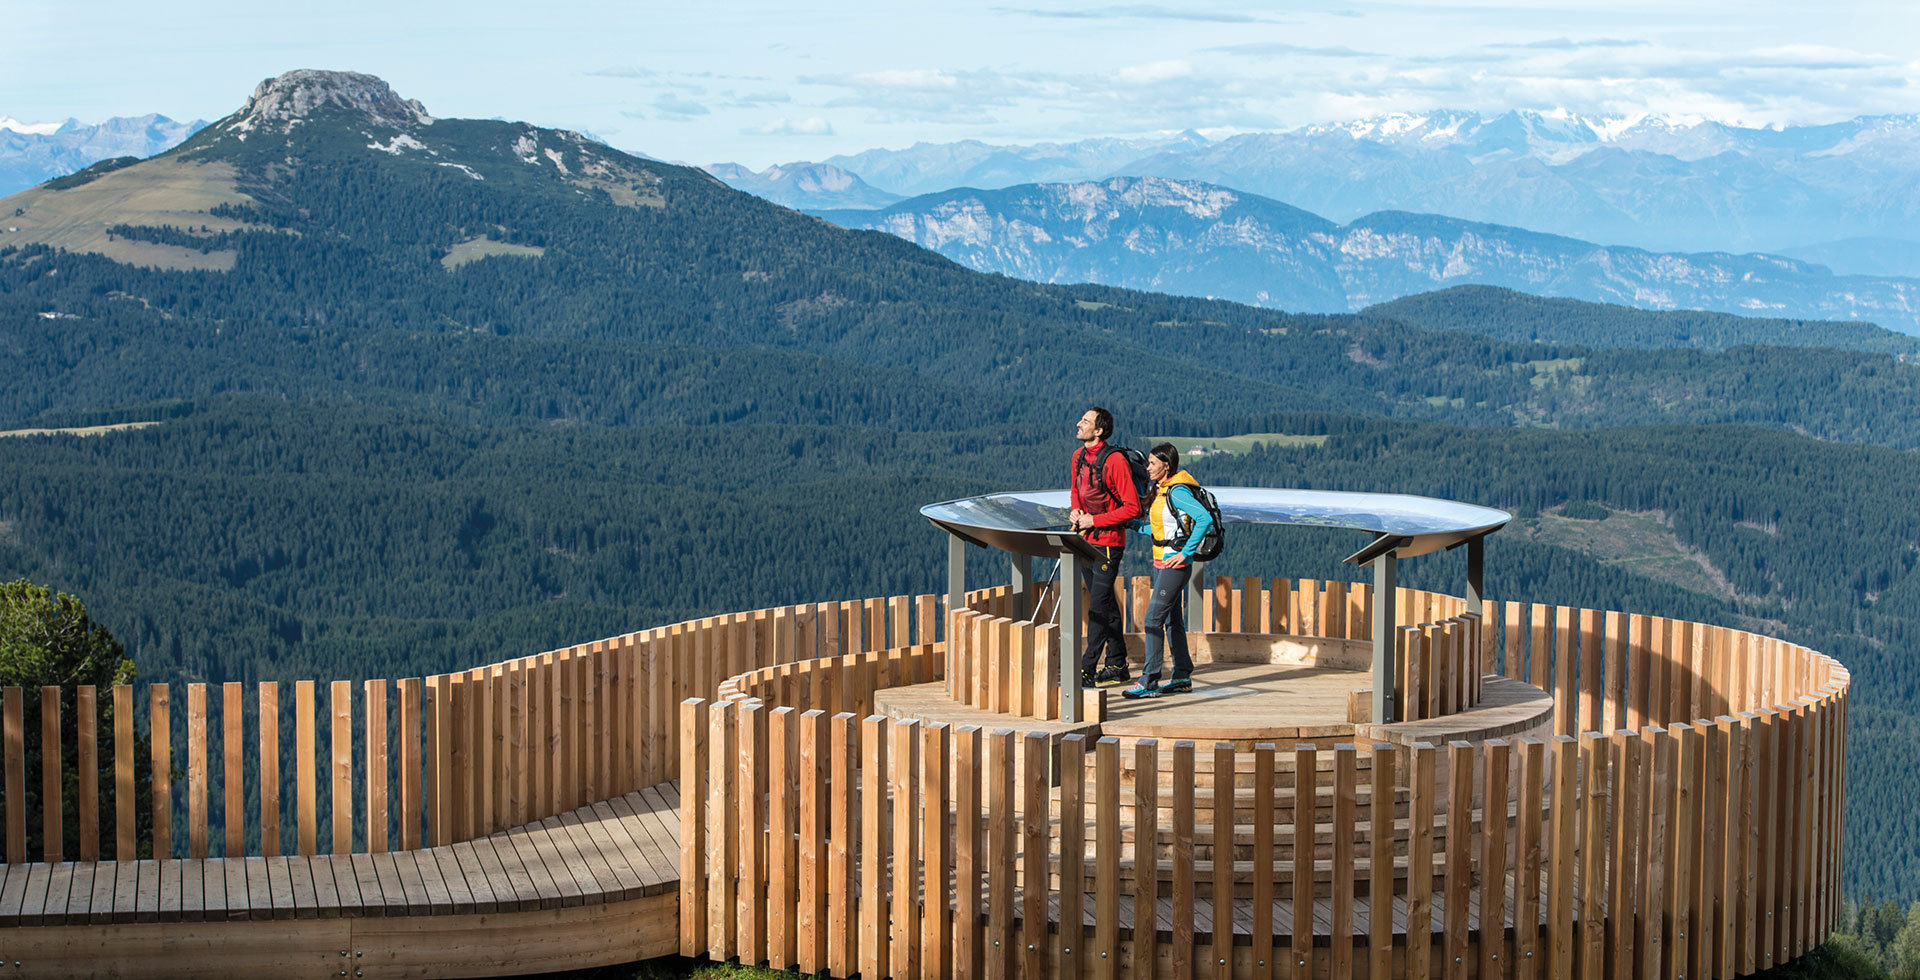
956,577
1384,669
1023,582
1197,597
1476,572
1071,620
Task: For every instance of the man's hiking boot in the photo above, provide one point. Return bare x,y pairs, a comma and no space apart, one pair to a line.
1086,679
1111,674
1179,685
1140,690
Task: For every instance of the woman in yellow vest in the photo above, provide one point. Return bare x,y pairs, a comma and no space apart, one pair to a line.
1176,521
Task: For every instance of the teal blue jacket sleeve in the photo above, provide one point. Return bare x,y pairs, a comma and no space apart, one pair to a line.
1187,504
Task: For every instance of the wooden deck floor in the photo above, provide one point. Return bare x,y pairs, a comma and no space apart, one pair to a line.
616,850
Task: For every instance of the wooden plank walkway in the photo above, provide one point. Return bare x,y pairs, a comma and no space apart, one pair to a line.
621,849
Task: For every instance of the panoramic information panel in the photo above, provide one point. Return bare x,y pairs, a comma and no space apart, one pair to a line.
1034,522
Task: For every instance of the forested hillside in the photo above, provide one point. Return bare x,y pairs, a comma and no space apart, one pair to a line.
471,389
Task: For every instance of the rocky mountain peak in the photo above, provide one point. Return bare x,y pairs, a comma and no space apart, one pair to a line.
282,102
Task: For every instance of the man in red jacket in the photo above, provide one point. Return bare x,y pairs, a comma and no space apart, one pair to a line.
1103,500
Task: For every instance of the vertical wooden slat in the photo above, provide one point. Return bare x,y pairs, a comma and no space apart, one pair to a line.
1539,656
1640,642
750,788
1073,856
1345,803
340,702
1001,866
842,924
1614,660
694,869
1623,889
1106,896
160,743
16,778
1146,855
1459,857
1680,866
1035,870
1566,814
1305,793
1592,684
810,920
305,785
375,698
1532,789
233,799
1419,865
1182,855
782,753
1513,631
409,738
196,771
936,833
124,848
1596,787
1566,669
1494,957
1711,807
499,735
457,748
1652,933
267,712
968,956
722,834
1220,965
86,715
1766,826
1380,877
1733,887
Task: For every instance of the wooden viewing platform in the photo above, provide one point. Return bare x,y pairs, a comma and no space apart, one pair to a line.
874,788
596,884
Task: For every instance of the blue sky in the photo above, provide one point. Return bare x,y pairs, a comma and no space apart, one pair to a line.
762,83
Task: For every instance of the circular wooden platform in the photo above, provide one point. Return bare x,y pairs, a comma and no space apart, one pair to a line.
1246,704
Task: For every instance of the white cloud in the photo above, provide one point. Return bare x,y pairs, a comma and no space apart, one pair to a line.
1158,71
919,78
677,107
810,126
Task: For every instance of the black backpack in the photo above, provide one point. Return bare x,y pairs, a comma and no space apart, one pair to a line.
1136,462
1215,540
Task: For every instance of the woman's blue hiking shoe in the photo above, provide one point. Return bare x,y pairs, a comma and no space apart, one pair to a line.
1139,691
1179,685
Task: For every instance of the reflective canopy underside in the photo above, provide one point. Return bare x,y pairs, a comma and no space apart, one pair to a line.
1034,522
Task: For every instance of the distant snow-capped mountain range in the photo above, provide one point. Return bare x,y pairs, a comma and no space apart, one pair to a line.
1656,182
31,153
1197,239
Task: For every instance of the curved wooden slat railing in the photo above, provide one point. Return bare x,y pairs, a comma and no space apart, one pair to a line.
1685,821
1002,661
1691,826
400,817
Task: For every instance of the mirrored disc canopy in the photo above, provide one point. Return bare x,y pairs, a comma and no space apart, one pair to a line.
1034,522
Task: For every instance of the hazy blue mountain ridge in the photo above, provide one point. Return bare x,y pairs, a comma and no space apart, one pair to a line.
29,158
1655,183
1156,234
804,185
